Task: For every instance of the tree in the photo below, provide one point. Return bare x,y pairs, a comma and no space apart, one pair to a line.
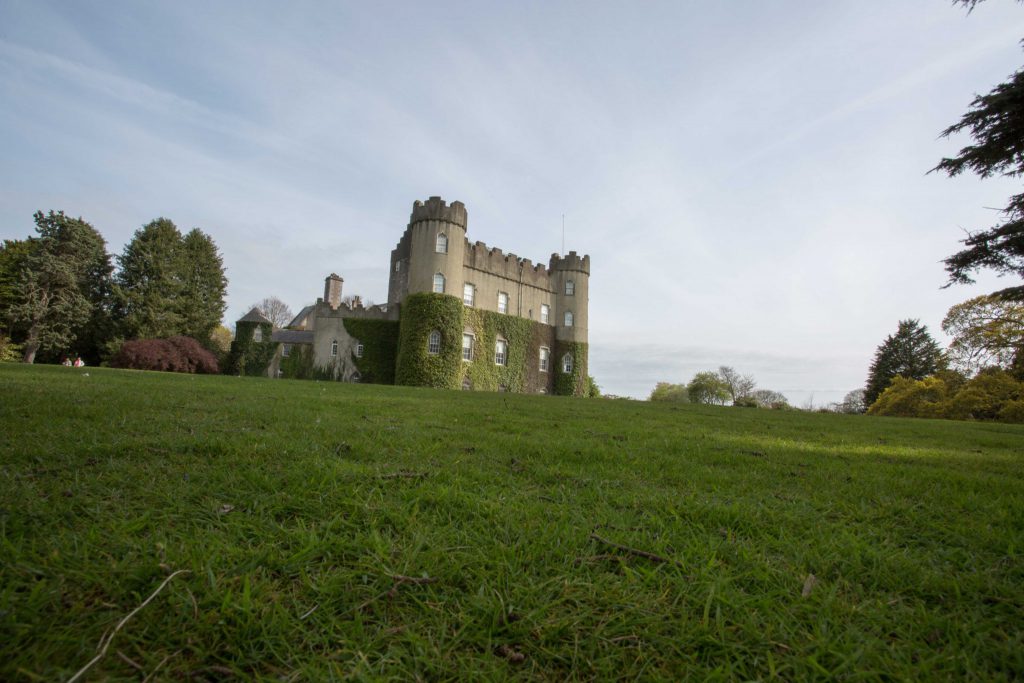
170,284
593,390
738,385
62,282
852,403
708,388
664,391
766,398
13,254
204,286
996,125
910,353
275,310
987,331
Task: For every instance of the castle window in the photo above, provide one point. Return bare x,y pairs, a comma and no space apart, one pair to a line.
468,294
545,313
501,352
567,363
570,287
286,350
257,334
441,245
467,347
545,358
439,283
398,266
359,350
502,302
334,347
568,318
434,343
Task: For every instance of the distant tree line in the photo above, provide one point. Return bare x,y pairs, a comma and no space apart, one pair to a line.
724,387
61,295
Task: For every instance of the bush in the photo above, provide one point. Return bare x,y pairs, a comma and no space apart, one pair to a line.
177,354
9,351
746,402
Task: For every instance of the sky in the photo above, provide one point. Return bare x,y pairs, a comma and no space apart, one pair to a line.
750,179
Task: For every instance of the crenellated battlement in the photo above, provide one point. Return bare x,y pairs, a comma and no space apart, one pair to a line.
435,209
510,266
571,261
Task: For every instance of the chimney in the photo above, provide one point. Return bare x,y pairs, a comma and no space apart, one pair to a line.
357,302
332,290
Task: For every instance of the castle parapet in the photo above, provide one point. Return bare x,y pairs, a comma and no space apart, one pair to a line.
435,209
571,261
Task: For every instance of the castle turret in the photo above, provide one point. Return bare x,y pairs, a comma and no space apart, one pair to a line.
332,290
570,278
430,254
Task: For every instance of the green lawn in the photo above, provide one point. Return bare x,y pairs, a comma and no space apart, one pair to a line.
294,505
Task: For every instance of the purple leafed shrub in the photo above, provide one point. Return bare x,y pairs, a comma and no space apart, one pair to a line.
177,354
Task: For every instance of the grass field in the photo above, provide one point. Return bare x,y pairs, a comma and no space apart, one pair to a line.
337,531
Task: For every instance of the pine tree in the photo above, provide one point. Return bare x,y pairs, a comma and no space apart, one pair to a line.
911,353
204,286
62,285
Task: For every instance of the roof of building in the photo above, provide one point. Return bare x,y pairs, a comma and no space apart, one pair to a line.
254,316
292,336
300,319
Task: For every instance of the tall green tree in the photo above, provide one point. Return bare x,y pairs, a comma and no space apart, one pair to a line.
995,123
170,284
13,254
910,353
204,286
708,388
62,282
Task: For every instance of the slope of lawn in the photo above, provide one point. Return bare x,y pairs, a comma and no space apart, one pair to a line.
336,531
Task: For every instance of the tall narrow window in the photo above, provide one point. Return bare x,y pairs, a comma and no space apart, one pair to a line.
570,287
257,334
502,302
434,343
439,283
501,352
467,347
334,347
398,266
545,313
468,294
567,363
286,350
568,318
545,358
441,245
359,350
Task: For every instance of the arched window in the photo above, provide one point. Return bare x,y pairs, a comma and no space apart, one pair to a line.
434,343
257,334
570,287
545,358
502,302
568,318
334,347
567,363
501,352
441,245
439,283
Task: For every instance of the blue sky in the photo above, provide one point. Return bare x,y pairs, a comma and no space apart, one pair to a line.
749,178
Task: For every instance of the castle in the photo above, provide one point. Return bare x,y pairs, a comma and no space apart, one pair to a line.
458,315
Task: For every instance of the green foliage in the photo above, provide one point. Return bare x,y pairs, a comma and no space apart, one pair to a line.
299,364
991,395
13,257
593,390
170,284
766,398
666,391
420,314
708,388
9,351
910,353
570,383
483,373
380,349
995,122
295,506
61,286
247,356
987,331
739,386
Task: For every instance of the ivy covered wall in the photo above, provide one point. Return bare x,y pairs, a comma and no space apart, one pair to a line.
422,313
249,357
380,349
570,383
